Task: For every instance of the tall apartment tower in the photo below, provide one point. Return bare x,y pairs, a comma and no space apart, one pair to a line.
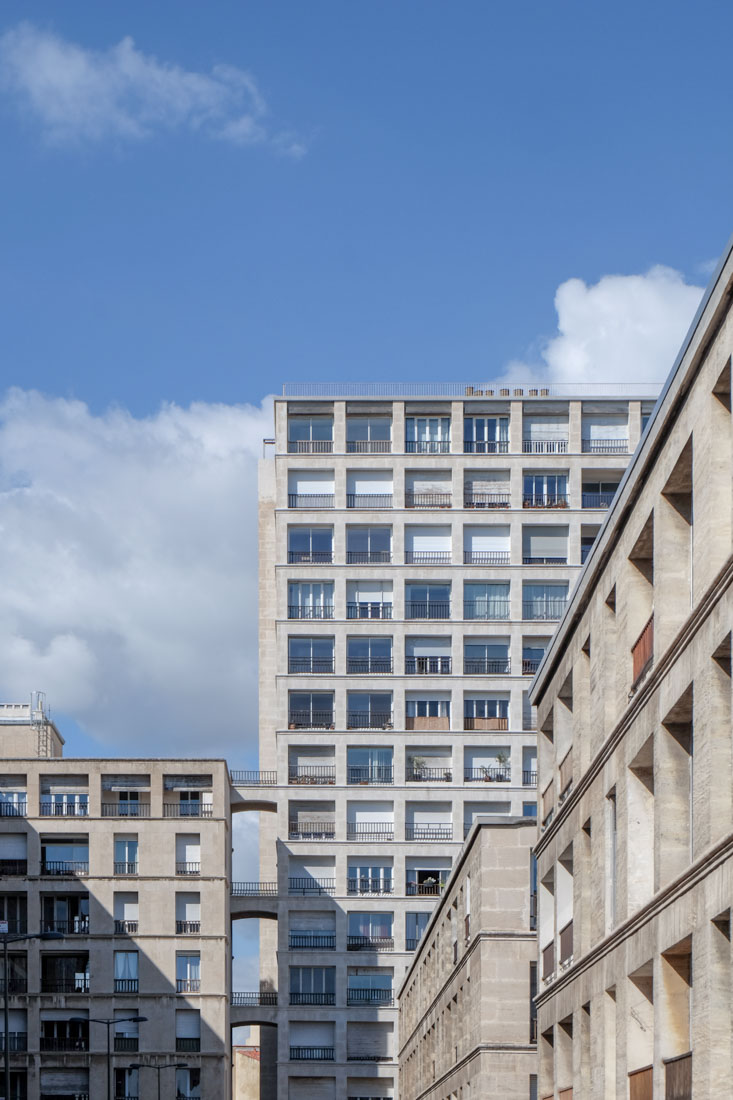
417,548
114,898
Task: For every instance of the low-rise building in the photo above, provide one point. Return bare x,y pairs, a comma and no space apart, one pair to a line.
466,1016
635,860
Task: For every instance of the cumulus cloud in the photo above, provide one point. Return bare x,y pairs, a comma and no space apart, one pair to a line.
128,549
84,95
624,328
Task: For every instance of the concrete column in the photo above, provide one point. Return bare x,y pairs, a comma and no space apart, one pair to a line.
281,427
339,427
398,427
456,427
575,427
515,427
634,425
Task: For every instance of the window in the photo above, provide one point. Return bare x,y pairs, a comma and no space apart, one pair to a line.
372,987
369,489
370,878
64,857
308,600
188,914
532,655
12,803
427,434
486,434
428,656
605,432
310,655
310,545
546,434
493,712
367,710
13,910
126,972
126,1084
188,854
427,708
367,656
368,545
188,973
545,491
188,1030
486,658
125,855
368,434
427,545
598,494
126,913
544,601
415,925
369,599
66,914
310,710
427,601
486,601
127,1031
310,435
65,804
369,930
312,985
369,765
311,489
188,1084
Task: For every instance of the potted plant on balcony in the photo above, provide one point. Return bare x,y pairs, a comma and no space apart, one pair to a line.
418,767
502,759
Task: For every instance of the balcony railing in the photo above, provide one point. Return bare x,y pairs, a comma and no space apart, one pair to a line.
187,1044
486,557
254,889
368,446
427,557
369,997
487,666
416,609
369,500
597,500
125,1044
545,500
310,720
126,927
75,926
310,500
17,1041
65,984
311,1054
530,665
368,557
411,944
318,611
13,867
427,500
370,773
64,809
642,652
369,886
548,960
254,1000
369,666
188,985
124,867
63,1043
545,446
486,610
310,557
532,560
479,723
188,868
312,998
544,610
370,830
489,774
529,778
416,774
305,775
424,889
312,941
566,774
15,985
126,985
310,446
605,446
309,886
312,830
310,666
429,831
368,720
427,446
428,666
369,943
368,610
64,867
566,944
13,809
485,500
188,927
125,809
253,778
486,446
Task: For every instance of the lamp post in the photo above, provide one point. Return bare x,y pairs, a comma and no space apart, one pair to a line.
171,1065
7,938
108,1025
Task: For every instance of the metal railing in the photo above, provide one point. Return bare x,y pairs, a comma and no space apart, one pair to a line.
254,889
530,666
428,666
253,778
487,666
188,985
14,985
312,830
13,867
368,720
63,1043
311,1054
64,867
254,1000
489,774
424,889
187,868
188,927
486,446
308,886
369,943
368,446
545,610
125,809
545,500
307,719
127,985
310,500
429,831
369,886
313,998
370,830
368,500
126,1044
77,984
642,652
369,997
187,1044
310,557
486,610
365,610
307,775
597,500
64,809
427,557
427,446
428,775
318,611
486,500
126,927
529,778
527,560
125,867
432,609
399,390
486,557
427,500
369,666
312,941
310,666
545,446
370,773
605,446
310,446
13,809
368,557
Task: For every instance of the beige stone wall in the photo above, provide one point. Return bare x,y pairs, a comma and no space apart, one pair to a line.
246,1073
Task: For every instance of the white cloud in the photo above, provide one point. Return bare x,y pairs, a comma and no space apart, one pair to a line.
128,549
79,94
624,328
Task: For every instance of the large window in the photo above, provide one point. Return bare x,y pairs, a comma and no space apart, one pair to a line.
486,434
126,971
310,545
188,973
310,600
368,434
427,708
368,545
369,988
312,985
126,855
415,925
310,655
310,435
369,710
486,658
427,434
427,601
545,491
370,930
370,878
544,601
369,765
486,601
368,656
369,599
310,710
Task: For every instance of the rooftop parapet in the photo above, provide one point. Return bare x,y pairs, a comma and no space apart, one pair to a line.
596,390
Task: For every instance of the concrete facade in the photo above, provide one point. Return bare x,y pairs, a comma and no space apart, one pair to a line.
635,858
129,860
466,1022
399,539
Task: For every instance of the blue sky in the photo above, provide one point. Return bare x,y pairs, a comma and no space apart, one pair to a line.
459,162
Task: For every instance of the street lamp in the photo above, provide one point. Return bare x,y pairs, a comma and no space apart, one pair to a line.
14,937
171,1065
108,1025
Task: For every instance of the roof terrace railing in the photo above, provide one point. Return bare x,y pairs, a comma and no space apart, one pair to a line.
462,389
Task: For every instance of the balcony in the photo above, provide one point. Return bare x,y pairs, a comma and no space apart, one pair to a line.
312,941
311,1054
306,775
367,774
310,557
486,610
253,778
64,867
310,720
566,944
13,809
368,720
370,830
544,611
486,446
427,722
369,997
476,723
76,926
530,665
369,886
254,1000
126,985
368,446
125,868
427,557
187,985
310,500
486,500
369,500
430,610
487,666
428,500
427,446
597,500
64,809
312,998
63,1043
547,500
187,1045
187,868
490,774
605,446
368,557
367,610
427,889
310,446
369,666
10,867
369,943
125,809
566,775
544,446
428,666
319,611
527,560
188,927
126,927
486,557
429,831
254,890
418,774
64,984
310,666
126,1044
642,653
529,778
311,830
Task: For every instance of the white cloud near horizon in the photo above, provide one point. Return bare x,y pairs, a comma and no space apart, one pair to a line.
624,328
128,549
81,95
